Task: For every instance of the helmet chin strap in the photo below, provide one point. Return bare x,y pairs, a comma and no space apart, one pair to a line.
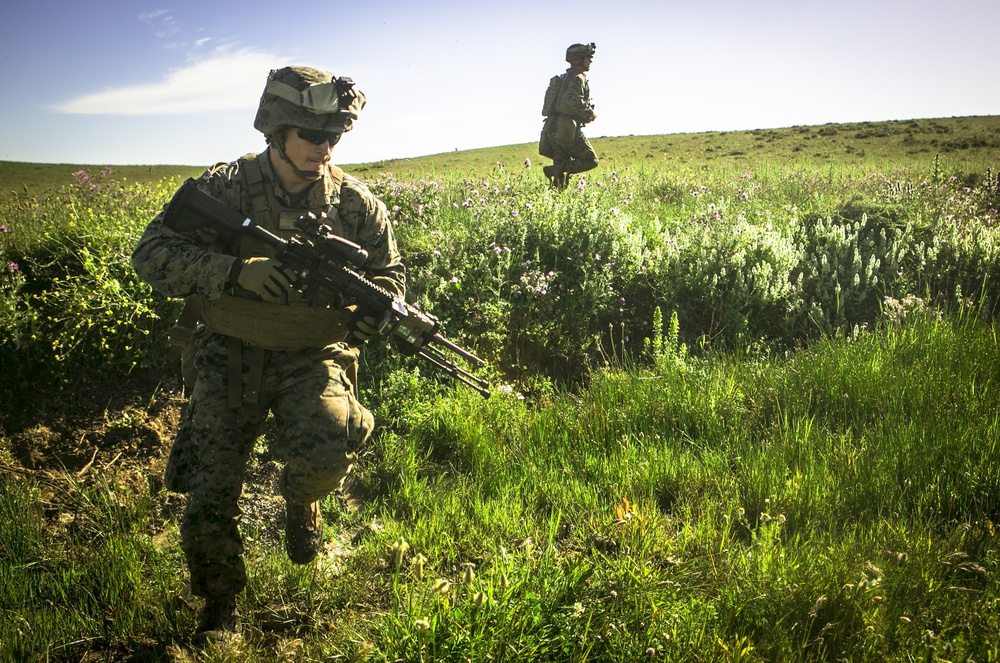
278,142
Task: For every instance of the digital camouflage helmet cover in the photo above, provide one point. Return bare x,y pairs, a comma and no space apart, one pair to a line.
308,98
577,52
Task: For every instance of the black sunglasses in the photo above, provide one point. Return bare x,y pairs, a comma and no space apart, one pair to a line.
317,137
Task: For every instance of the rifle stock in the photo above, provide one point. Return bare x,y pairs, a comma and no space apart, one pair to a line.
329,266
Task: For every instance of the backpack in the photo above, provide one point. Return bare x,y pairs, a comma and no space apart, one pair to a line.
552,94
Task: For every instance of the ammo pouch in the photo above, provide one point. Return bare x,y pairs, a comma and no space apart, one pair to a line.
565,133
275,326
545,145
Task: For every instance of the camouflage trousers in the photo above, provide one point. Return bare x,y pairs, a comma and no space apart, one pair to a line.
570,158
320,425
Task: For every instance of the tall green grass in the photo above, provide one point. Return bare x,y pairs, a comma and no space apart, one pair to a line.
840,504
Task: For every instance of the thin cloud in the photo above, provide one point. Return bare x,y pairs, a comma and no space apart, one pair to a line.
149,16
164,18
222,82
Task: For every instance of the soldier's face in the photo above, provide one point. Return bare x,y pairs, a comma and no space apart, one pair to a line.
307,156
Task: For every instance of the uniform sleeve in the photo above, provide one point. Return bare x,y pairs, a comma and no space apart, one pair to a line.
181,264
576,98
367,219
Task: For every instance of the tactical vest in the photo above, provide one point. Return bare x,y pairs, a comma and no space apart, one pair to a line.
282,326
288,325
555,98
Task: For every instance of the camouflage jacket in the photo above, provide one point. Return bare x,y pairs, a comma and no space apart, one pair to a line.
575,101
198,262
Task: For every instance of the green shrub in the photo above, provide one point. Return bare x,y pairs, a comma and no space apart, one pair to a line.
72,308
546,284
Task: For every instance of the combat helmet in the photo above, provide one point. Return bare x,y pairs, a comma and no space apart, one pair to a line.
579,51
308,98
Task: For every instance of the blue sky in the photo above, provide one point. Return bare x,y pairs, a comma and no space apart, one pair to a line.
177,82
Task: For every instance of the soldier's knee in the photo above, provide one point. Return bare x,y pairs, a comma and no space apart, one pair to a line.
307,480
362,425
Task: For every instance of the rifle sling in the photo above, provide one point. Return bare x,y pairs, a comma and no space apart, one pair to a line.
181,332
234,372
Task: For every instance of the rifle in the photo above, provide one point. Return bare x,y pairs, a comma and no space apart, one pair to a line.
329,266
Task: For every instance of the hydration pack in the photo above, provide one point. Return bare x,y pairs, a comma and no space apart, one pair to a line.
552,95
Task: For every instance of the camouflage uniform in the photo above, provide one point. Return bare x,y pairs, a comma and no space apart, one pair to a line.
311,391
562,137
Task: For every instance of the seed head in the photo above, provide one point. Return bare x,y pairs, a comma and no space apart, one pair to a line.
418,564
399,550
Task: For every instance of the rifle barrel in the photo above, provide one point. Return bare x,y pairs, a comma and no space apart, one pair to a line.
460,351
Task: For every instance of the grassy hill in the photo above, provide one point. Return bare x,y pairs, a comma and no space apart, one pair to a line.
975,139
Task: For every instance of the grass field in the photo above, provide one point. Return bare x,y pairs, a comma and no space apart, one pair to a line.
746,407
972,141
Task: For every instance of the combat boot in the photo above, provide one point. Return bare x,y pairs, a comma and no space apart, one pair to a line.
303,531
218,620
555,176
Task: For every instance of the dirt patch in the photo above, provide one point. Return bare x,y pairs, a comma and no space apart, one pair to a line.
126,433
128,426
117,432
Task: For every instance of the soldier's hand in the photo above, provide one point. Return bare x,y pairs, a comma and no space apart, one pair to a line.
362,325
266,277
